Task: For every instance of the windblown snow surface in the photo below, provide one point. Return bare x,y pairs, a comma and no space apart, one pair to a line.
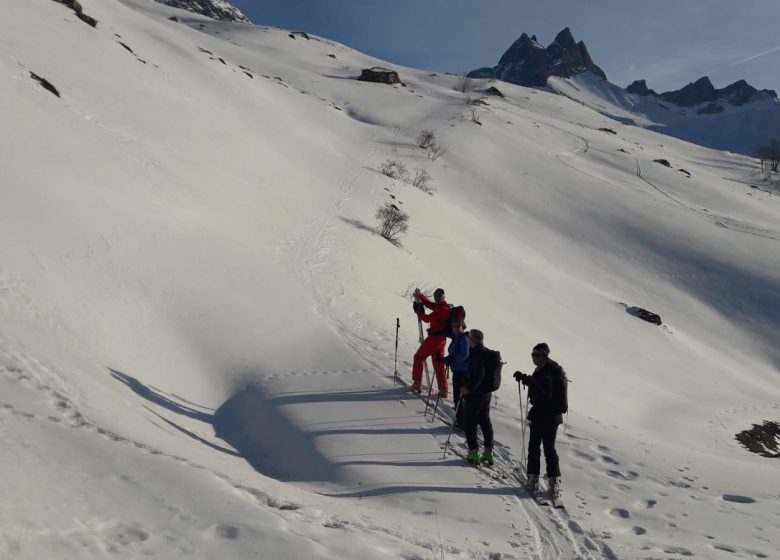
198,319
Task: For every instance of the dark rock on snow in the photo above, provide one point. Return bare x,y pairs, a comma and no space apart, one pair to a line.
494,91
79,11
644,314
45,84
762,439
664,162
215,9
379,75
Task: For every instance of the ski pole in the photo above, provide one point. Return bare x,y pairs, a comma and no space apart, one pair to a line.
452,428
435,408
522,425
430,389
395,361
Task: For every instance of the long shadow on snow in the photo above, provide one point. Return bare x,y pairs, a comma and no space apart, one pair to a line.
748,298
253,425
408,488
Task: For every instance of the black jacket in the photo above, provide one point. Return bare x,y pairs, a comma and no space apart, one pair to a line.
475,374
547,393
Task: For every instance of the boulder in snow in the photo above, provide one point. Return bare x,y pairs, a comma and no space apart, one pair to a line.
379,75
645,315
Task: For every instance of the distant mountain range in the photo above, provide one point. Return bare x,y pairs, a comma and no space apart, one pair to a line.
737,117
215,9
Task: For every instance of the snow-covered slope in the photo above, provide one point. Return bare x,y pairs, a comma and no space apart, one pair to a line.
196,352
740,128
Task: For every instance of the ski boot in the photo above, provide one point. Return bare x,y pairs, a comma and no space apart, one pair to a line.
555,491
443,394
532,484
473,457
417,387
487,458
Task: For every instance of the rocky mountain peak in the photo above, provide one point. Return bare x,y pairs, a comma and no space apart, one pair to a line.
528,63
702,91
215,9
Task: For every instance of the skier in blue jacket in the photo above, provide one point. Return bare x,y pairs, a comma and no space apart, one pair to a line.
457,358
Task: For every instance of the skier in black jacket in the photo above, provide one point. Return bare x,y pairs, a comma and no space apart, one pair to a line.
547,393
476,398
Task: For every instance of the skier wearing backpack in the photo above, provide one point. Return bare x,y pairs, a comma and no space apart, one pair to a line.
457,359
477,395
547,388
434,344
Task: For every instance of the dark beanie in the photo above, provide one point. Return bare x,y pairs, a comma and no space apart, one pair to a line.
439,292
542,348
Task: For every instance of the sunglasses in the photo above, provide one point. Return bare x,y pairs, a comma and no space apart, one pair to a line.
537,354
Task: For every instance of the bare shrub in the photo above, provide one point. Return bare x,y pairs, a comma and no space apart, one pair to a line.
437,150
394,169
769,156
422,180
475,117
426,139
464,83
392,222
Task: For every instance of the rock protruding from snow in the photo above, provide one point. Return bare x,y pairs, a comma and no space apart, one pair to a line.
379,75
645,315
215,9
528,63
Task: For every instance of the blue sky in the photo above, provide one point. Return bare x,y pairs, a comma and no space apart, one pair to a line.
667,42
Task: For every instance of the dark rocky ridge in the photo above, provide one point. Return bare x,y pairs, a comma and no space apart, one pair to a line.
215,9
528,63
702,91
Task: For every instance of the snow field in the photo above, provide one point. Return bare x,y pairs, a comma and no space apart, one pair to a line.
199,322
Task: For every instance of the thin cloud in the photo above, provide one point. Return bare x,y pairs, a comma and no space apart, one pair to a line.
748,59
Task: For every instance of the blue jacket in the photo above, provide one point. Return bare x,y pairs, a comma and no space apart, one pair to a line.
458,353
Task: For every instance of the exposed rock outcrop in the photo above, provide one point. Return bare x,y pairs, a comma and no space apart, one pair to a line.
215,9
528,63
379,75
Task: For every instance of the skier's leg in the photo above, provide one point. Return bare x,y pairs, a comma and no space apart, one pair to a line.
438,344
534,451
550,455
417,364
470,423
486,423
457,383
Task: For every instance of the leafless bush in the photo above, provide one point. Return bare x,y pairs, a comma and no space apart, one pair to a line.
394,169
422,180
464,83
426,139
392,222
475,117
408,293
769,156
437,150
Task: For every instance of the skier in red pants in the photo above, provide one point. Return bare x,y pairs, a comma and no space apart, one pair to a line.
434,344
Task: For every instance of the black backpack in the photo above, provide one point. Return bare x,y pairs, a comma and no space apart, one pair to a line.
457,315
560,398
493,366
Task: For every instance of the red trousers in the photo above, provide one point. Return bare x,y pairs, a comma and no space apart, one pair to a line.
431,346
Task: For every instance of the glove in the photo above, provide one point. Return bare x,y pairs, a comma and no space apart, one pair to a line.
520,376
418,307
440,359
